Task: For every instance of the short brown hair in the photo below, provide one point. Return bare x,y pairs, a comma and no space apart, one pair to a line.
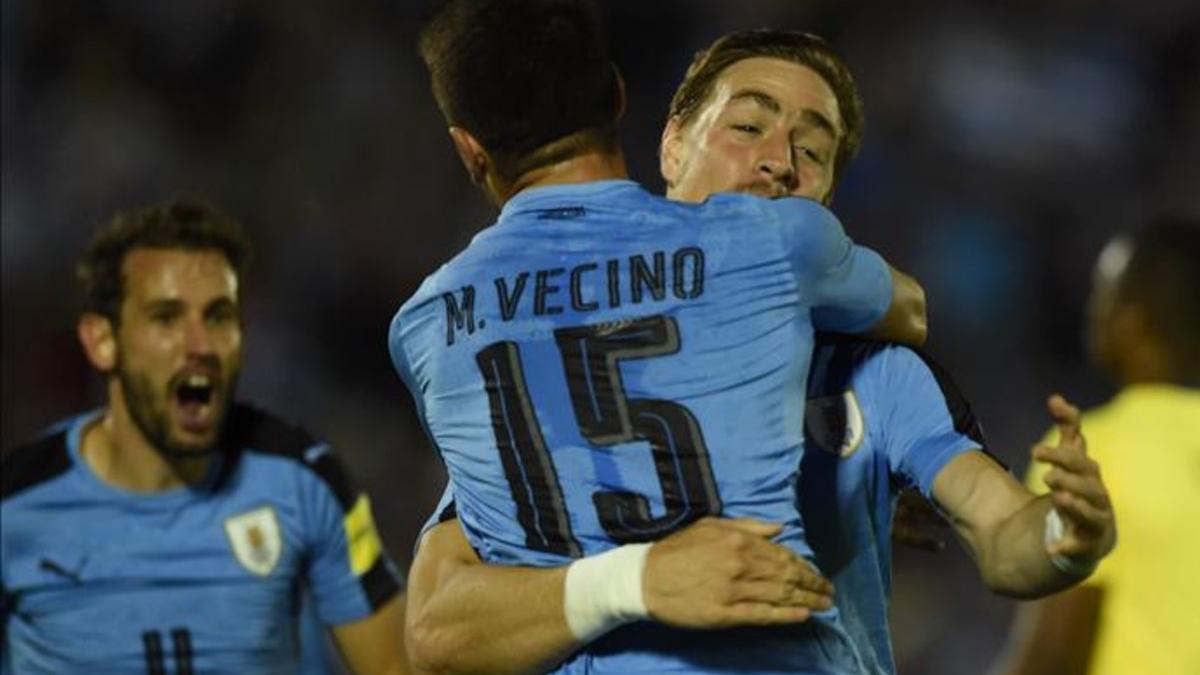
521,75
805,49
185,223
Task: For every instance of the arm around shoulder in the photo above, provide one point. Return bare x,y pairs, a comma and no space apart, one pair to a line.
375,645
850,283
467,617
905,321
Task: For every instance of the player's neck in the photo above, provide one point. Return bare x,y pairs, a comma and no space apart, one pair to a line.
1148,361
119,454
583,168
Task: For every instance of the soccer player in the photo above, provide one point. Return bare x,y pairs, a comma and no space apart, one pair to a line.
604,366
879,417
172,530
1136,614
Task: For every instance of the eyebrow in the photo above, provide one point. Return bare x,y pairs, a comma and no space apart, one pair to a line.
161,303
767,101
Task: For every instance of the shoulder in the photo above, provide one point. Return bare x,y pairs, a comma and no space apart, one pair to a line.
862,361
890,375
252,429
843,362
36,462
784,210
254,432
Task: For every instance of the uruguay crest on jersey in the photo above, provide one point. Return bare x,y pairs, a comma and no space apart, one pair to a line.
835,423
256,539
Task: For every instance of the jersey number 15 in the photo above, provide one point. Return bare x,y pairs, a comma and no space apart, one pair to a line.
591,357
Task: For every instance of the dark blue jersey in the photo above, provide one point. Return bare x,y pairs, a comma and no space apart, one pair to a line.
196,579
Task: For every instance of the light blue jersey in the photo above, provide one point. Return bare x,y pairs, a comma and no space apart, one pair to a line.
879,418
605,366
193,580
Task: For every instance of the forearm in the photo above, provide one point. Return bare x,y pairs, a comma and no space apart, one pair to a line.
1014,561
906,321
490,619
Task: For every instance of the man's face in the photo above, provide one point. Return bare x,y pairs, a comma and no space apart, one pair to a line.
179,345
770,127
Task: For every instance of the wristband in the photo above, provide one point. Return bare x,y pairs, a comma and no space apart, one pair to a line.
605,591
1064,564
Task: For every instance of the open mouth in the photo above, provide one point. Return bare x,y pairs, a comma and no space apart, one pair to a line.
194,397
196,389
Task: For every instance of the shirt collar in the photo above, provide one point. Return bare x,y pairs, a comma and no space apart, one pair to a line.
551,196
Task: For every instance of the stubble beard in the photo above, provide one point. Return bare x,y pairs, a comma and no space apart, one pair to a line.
149,411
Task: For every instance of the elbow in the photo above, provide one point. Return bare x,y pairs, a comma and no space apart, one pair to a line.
1000,584
432,647
1010,581
918,317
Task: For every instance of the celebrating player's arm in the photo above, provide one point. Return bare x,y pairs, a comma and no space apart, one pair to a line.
855,290
1027,546
905,321
354,585
375,644
468,617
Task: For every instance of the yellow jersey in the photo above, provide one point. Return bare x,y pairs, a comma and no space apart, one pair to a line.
1147,442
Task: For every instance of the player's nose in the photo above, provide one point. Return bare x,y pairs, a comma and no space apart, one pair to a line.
196,338
777,164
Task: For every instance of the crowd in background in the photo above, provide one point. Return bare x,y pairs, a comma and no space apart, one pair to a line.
1004,145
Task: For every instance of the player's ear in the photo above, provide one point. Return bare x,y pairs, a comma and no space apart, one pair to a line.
470,151
670,151
1132,331
619,83
99,341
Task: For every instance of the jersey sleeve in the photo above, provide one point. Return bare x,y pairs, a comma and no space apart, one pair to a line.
445,510
926,421
849,286
347,569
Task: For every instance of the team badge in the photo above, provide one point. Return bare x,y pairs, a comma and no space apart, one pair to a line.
256,539
834,423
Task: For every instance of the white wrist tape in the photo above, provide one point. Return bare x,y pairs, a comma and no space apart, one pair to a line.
1064,564
604,591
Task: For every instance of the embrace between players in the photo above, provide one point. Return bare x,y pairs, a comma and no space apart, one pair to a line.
717,442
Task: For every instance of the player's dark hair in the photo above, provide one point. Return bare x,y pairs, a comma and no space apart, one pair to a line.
522,74
1163,278
187,223
805,49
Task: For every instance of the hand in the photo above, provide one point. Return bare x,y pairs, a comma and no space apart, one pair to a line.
718,573
1077,491
915,521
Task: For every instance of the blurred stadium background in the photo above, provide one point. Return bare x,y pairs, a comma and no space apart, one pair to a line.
1004,145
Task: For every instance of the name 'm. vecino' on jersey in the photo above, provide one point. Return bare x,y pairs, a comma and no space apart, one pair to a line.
605,366
204,579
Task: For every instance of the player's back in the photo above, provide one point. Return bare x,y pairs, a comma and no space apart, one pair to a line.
604,366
